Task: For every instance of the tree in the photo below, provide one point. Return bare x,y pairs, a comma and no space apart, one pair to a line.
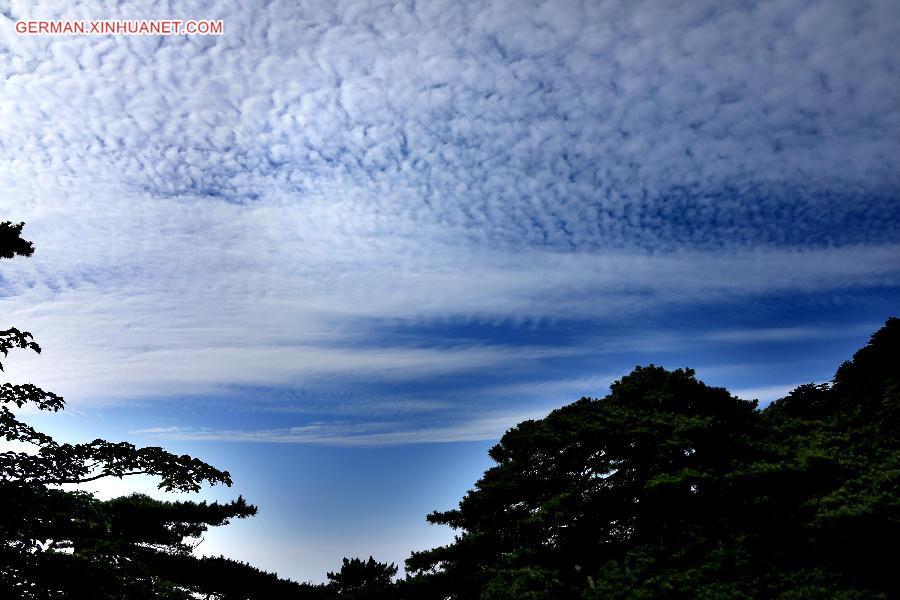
363,580
841,445
670,488
61,544
11,242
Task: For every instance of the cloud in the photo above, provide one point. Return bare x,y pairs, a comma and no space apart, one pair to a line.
568,389
487,426
781,334
252,208
578,125
768,393
277,321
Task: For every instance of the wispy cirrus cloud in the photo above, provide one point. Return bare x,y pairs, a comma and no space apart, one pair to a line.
487,426
121,335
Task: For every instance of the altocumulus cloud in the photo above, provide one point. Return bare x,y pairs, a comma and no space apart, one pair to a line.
243,209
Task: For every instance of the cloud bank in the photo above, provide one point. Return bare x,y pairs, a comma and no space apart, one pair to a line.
253,208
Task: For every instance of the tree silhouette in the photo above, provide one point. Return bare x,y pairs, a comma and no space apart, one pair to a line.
60,544
363,580
11,242
668,488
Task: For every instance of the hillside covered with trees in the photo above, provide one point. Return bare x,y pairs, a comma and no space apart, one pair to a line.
664,488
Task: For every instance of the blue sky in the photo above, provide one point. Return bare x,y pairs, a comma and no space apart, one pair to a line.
342,247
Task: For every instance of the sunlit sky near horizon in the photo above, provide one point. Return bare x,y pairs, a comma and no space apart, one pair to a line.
339,249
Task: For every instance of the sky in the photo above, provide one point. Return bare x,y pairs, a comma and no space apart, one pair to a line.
342,247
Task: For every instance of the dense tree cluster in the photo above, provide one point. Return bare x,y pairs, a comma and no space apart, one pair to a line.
665,488
668,488
363,580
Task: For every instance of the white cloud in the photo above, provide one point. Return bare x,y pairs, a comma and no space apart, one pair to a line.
567,123
233,318
486,426
768,393
244,209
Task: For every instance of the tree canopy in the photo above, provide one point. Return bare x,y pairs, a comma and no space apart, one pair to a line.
363,580
68,544
669,488
11,241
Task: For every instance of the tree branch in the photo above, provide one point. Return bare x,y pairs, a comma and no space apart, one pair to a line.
95,477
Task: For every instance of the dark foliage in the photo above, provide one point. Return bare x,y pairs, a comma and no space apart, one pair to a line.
226,579
363,580
668,488
61,544
11,242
